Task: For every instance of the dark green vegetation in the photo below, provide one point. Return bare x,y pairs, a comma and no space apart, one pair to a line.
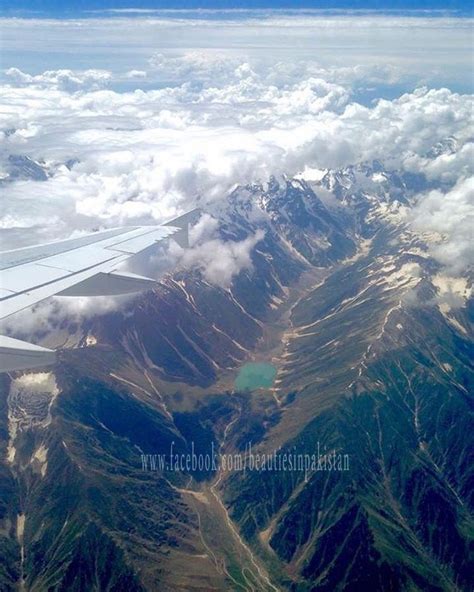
370,365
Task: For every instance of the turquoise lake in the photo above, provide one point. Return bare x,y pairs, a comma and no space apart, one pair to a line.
255,375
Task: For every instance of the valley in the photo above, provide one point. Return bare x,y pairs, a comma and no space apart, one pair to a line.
343,304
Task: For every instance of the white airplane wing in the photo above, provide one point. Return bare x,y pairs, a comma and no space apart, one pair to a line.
84,266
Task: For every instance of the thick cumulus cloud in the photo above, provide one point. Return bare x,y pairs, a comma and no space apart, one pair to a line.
447,167
138,157
145,156
449,214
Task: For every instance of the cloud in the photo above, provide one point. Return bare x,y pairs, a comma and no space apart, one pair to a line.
219,260
135,74
144,156
446,168
50,316
35,383
194,65
404,44
450,215
66,80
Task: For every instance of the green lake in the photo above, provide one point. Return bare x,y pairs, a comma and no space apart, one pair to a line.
255,375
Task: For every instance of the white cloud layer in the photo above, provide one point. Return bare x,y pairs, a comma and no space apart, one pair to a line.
424,49
144,156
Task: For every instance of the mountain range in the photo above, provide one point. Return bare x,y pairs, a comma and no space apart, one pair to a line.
371,338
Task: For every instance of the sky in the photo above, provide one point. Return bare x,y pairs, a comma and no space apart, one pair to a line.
61,7
136,116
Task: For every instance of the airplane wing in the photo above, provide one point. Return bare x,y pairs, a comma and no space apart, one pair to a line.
84,266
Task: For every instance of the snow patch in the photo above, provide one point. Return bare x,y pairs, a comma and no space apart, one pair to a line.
20,526
41,456
408,274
